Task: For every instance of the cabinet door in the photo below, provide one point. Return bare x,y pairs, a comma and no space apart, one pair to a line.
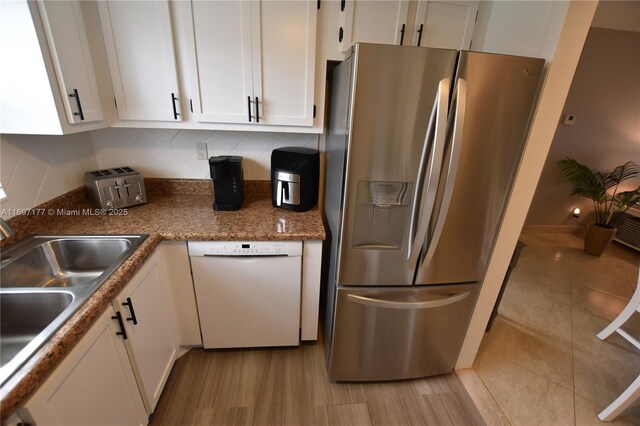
93,385
444,24
284,49
373,21
151,340
67,37
222,31
139,42
183,299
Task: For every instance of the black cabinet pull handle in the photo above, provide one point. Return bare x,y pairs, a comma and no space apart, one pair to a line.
122,331
420,34
77,96
129,304
257,111
175,110
249,107
342,4
340,35
402,35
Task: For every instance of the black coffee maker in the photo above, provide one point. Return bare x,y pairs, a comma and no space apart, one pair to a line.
228,182
294,178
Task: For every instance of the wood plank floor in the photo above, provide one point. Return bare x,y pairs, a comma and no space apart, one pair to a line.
291,387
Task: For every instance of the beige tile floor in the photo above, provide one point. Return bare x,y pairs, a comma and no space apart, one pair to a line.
541,361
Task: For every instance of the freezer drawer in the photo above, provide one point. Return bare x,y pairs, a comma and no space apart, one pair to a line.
399,333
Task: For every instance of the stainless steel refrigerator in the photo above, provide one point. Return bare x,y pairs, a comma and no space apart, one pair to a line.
422,149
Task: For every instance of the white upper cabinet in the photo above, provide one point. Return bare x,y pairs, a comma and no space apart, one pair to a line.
47,81
524,28
138,38
254,62
284,63
373,21
444,24
66,34
224,62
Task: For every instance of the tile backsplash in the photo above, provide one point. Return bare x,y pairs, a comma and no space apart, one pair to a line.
35,169
172,153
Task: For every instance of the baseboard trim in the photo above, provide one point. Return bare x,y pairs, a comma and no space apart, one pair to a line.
566,229
483,400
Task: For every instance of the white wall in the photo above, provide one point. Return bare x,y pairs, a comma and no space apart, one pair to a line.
170,153
605,98
35,169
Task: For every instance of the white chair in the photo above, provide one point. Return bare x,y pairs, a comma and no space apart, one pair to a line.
632,393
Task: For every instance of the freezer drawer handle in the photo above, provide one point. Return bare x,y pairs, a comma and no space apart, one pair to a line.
427,304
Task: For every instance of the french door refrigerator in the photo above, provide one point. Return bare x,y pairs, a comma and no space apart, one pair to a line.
422,149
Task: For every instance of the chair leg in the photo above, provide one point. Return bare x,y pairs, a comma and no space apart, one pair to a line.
623,401
626,313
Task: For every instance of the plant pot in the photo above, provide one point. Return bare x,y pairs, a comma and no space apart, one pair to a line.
598,239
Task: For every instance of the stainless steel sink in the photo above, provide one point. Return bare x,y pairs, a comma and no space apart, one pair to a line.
44,280
63,262
24,315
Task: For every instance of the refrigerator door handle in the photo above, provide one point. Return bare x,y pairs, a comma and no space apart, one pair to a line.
388,304
419,224
460,101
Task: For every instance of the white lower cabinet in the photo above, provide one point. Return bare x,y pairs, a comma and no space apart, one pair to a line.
148,320
94,384
116,373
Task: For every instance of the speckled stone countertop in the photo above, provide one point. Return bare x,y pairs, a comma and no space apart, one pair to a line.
178,209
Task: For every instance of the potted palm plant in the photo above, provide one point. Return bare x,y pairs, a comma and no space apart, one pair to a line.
609,203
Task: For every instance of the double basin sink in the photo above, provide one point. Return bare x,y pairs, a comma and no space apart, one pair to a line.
44,280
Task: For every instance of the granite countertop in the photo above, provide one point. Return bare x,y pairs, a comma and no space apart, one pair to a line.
178,209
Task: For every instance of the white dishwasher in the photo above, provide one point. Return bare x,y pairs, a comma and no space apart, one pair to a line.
248,292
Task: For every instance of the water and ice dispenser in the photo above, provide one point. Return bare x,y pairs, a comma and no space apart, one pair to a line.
382,212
